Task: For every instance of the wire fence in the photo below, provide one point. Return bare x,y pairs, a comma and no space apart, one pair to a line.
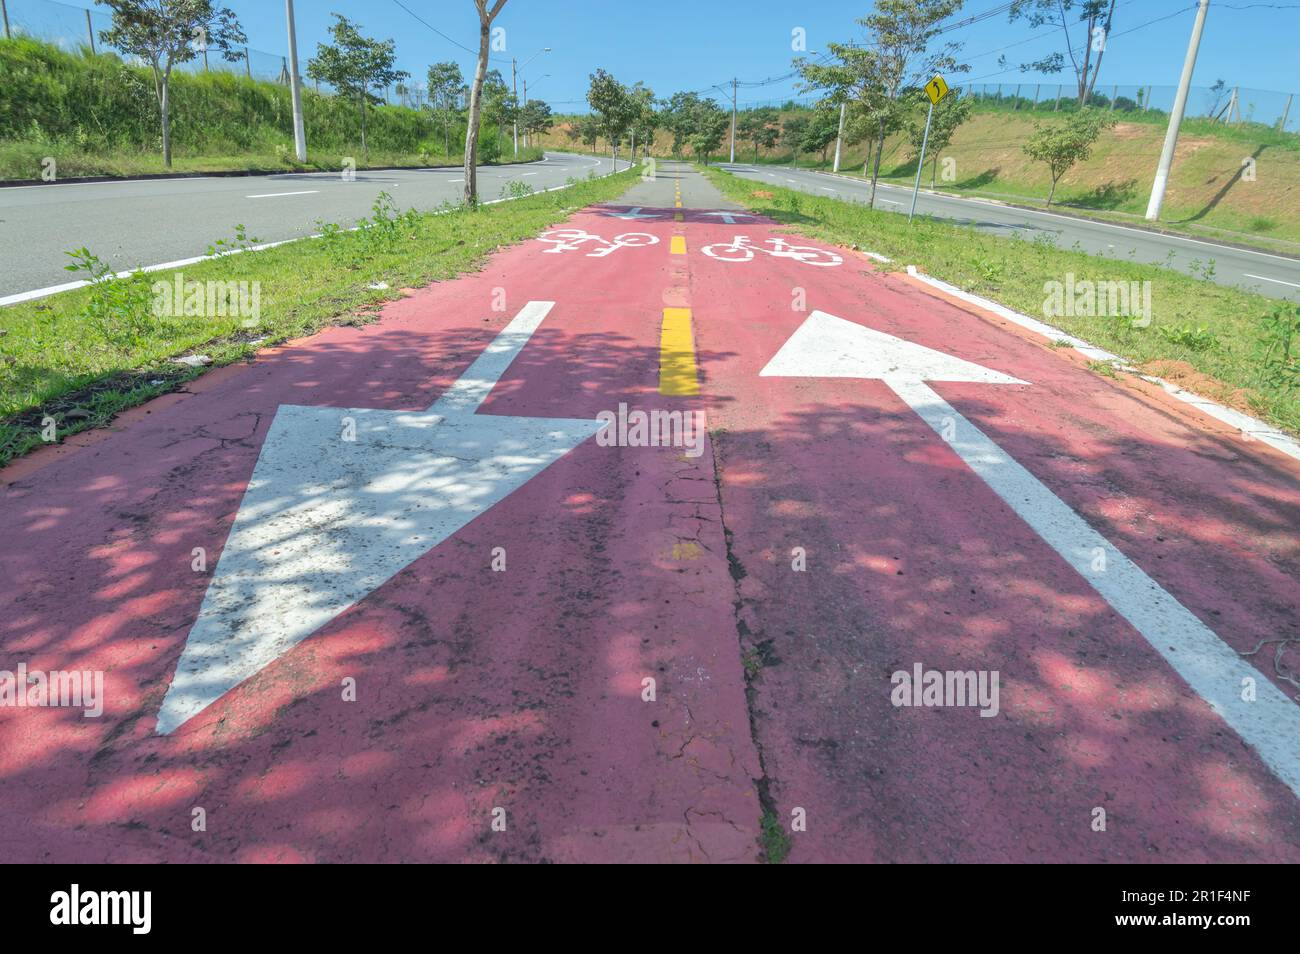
1228,104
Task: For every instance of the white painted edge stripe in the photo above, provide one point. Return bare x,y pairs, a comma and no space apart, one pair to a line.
274,195
1267,279
1250,427
1270,724
19,297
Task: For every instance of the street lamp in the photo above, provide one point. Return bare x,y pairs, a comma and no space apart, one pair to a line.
514,85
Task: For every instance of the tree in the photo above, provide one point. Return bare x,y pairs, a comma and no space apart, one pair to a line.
589,129
645,118
899,54
1094,16
354,65
446,87
823,127
953,110
710,123
499,104
1061,145
535,118
793,133
761,127
166,33
680,114
614,107
485,18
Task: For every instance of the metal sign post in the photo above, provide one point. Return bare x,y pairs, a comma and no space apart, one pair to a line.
936,89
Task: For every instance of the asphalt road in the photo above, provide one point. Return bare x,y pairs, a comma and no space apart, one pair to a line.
1273,275
148,222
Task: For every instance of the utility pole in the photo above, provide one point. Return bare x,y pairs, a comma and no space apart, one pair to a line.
514,85
527,141
90,31
4,12
295,87
839,136
733,120
1176,116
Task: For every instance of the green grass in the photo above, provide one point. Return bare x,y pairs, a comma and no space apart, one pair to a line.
1219,335
96,115
82,356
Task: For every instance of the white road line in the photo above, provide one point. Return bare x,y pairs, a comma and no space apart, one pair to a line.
1270,723
1267,279
273,195
826,188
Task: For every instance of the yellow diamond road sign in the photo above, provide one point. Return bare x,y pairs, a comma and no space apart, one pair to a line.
936,89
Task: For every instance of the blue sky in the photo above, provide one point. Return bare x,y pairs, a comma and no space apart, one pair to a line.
673,44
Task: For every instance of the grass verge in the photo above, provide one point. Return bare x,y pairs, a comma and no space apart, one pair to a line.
1230,345
73,360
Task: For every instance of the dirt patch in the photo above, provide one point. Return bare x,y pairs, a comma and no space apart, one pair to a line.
1185,376
761,194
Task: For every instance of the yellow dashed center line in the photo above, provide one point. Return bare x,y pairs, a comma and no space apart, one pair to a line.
677,372
678,245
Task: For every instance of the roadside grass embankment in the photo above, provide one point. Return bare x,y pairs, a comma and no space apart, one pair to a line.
95,115
71,361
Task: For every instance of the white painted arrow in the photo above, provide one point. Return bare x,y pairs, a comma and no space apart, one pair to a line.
326,520
729,217
633,213
827,346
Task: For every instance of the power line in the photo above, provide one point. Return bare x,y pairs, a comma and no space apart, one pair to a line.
1141,26
450,40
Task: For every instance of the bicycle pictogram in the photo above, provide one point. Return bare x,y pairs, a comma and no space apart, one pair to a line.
566,240
742,249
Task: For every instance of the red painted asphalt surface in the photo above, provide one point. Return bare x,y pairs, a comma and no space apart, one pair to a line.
522,690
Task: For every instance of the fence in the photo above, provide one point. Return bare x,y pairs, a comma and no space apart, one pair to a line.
1226,103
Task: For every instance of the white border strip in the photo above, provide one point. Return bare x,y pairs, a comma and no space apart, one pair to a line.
20,297
1251,429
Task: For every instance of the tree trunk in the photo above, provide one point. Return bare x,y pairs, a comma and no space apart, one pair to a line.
475,110
875,169
164,106
1051,192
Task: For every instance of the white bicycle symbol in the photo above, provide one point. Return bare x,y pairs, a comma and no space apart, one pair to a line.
568,239
742,249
